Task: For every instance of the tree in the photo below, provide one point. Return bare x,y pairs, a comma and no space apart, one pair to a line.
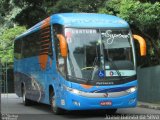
6,40
30,15
88,6
34,11
8,11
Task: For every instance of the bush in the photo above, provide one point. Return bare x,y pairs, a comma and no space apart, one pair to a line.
6,40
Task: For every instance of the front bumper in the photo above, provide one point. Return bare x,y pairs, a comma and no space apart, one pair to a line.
76,102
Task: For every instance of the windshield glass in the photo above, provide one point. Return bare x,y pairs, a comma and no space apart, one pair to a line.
99,54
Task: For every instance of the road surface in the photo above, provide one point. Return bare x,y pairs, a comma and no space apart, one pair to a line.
11,104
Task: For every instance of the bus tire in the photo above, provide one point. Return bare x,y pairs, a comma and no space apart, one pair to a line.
111,111
26,101
56,110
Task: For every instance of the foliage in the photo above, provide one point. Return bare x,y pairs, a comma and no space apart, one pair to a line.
21,3
28,18
32,12
5,7
6,40
145,16
7,13
77,6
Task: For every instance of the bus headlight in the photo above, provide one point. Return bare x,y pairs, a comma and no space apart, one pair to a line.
75,91
131,90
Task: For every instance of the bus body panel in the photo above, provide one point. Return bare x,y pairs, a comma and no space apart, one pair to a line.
36,81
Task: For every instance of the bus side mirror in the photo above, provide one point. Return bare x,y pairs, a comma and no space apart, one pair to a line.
63,45
142,44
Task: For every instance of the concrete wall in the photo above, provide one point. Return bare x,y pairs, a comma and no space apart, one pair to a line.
149,84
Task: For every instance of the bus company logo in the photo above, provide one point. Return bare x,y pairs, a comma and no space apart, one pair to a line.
111,36
105,95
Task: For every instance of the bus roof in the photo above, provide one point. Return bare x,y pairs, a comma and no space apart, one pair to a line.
80,20
89,20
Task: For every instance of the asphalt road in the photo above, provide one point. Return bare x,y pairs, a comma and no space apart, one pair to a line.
12,106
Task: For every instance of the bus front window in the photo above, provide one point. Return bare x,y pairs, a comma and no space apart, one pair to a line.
92,51
118,53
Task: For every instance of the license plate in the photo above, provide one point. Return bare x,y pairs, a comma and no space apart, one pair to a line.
106,103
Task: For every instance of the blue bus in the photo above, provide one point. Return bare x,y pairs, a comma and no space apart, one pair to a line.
78,61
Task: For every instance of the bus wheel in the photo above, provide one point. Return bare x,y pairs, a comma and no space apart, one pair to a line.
111,111
26,101
56,110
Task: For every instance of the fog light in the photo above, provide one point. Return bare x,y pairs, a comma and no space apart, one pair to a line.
132,100
76,103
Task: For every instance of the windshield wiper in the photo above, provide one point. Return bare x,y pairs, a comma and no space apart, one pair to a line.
75,78
94,69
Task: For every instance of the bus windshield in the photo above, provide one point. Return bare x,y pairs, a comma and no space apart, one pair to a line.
95,54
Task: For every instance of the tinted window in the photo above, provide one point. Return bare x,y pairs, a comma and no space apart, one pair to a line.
45,42
37,43
31,45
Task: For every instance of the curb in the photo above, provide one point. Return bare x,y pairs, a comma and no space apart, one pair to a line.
149,105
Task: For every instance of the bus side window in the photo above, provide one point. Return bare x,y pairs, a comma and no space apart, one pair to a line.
60,61
46,42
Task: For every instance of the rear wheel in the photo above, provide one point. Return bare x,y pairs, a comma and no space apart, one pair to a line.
26,101
56,110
